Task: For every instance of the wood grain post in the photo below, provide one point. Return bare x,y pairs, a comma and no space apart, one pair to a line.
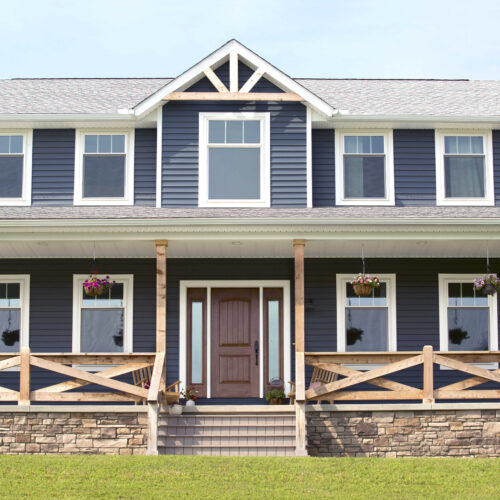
300,385
161,295
428,392
24,377
153,410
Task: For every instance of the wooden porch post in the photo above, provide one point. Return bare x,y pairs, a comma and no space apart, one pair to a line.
24,380
161,339
300,385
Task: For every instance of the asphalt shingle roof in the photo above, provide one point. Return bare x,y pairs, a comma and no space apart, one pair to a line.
326,214
476,98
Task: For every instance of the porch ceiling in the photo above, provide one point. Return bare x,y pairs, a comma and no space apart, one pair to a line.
246,248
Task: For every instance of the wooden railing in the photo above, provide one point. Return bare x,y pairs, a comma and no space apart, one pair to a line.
64,364
396,361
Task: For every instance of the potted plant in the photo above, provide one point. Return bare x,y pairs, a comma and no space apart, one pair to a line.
275,397
189,394
95,286
488,284
363,284
174,409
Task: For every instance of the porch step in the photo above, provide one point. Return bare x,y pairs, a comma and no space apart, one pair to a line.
228,433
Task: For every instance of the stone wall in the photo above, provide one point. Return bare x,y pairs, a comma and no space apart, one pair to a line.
429,433
37,432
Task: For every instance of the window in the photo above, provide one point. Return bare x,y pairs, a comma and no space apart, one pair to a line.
104,168
234,159
364,168
15,168
467,319
14,312
366,323
103,323
464,169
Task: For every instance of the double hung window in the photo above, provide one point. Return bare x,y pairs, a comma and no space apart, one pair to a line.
464,169
234,159
104,168
15,168
364,168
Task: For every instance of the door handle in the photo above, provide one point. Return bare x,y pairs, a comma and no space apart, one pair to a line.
256,349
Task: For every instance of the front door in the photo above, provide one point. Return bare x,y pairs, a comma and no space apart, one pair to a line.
235,342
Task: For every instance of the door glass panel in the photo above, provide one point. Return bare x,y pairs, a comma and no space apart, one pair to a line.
196,342
366,329
273,319
468,329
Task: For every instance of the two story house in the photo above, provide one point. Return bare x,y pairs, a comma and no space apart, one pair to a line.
231,208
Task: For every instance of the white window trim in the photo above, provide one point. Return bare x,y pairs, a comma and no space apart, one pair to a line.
265,163
389,168
390,280
208,285
25,199
128,198
128,301
489,198
444,279
24,295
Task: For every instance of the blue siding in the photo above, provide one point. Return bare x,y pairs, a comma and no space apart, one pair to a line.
145,167
414,167
53,167
180,151
323,167
496,164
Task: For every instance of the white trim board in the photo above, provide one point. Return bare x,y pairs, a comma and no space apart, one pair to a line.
209,284
221,55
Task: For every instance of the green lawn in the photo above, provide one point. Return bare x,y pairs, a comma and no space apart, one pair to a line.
81,477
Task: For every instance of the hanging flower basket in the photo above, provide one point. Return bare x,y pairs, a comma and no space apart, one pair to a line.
95,286
363,284
488,284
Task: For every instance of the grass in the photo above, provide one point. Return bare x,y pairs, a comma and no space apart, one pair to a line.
82,477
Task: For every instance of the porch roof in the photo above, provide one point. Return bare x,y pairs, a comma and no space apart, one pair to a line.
327,214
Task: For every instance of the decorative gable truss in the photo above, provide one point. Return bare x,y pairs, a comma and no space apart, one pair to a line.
233,52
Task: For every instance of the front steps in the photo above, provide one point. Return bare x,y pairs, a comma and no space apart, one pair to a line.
228,430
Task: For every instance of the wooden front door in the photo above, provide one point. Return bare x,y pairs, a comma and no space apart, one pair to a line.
235,342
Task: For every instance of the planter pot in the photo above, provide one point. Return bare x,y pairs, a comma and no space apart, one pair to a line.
94,292
175,409
489,289
362,290
190,402
276,401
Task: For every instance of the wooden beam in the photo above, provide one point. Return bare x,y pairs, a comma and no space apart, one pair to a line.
473,394
9,395
97,359
428,394
161,295
156,378
234,96
215,80
86,397
463,367
10,362
373,395
250,83
300,429
153,411
24,377
89,377
233,71
364,377
109,373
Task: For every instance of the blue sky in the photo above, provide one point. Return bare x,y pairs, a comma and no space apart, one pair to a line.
310,38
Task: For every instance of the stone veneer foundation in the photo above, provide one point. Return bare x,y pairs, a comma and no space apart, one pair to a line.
101,430
404,430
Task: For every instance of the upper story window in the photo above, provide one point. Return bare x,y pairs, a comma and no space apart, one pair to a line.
364,168
15,168
468,319
464,169
104,173
366,323
14,312
234,159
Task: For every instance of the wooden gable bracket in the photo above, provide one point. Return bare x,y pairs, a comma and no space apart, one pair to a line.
233,94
